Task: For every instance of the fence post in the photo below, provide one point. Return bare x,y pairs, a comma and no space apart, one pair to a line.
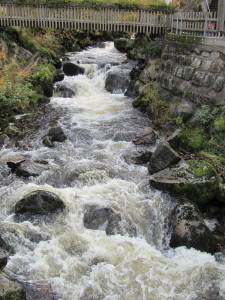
205,27
221,16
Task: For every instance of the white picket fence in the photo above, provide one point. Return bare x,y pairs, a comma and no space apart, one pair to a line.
196,23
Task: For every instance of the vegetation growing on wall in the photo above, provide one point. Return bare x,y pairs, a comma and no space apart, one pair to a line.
127,4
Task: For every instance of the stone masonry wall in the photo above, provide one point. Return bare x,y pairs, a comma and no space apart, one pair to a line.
196,75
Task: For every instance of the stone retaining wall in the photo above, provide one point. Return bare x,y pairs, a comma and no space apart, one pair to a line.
196,74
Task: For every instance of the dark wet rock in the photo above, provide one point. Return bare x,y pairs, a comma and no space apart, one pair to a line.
163,157
221,193
14,161
64,91
146,137
190,230
59,76
132,90
194,179
11,290
39,202
29,168
139,158
13,235
174,139
3,260
56,134
58,64
117,81
71,69
4,139
105,218
47,142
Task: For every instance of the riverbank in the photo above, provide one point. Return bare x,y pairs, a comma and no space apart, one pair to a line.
189,114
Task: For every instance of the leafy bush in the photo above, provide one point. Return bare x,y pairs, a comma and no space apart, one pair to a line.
153,50
15,91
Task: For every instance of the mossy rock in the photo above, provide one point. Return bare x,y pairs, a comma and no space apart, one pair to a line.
43,77
219,124
196,180
124,45
191,139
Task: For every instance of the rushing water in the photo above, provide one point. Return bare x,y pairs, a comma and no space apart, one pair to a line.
71,261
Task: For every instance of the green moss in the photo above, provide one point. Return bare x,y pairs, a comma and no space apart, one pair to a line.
201,168
42,78
219,124
14,295
199,183
183,41
192,139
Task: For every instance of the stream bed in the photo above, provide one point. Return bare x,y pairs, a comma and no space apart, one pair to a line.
88,170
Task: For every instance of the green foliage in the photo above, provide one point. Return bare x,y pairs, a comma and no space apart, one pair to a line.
203,115
155,5
151,103
153,50
43,41
192,139
15,92
43,73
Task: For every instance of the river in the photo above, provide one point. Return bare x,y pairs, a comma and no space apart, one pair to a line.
89,168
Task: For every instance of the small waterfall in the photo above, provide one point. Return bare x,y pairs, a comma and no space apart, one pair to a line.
56,256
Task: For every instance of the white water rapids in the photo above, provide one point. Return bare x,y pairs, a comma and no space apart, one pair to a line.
89,168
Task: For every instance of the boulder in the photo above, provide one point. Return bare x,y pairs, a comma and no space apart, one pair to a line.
163,157
14,161
64,91
190,230
10,289
146,137
124,45
194,179
140,158
150,73
11,130
71,69
29,168
117,81
39,202
4,139
3,260
13,235
105,218
56,134
59,76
